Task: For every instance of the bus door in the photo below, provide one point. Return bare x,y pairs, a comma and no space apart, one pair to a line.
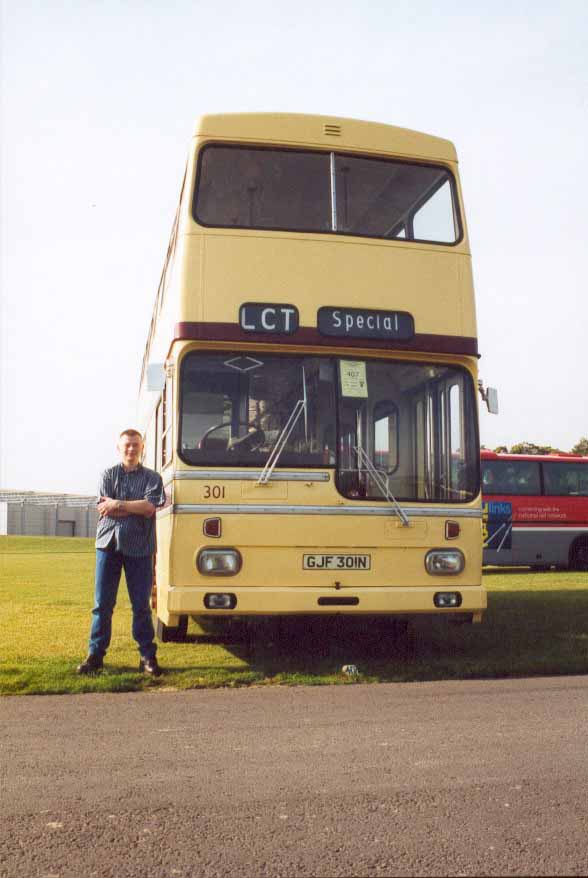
441,440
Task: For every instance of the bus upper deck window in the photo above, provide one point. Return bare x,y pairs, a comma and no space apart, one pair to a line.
311,191
263,189
435,220
381,198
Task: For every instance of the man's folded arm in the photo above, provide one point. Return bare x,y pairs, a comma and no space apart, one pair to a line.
136,507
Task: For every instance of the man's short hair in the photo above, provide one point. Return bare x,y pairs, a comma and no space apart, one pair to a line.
131,433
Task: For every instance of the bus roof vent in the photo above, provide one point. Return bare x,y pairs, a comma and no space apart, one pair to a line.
332,130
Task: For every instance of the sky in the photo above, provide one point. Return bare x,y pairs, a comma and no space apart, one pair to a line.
99,100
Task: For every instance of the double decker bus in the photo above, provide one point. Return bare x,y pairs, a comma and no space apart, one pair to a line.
309,384
535,510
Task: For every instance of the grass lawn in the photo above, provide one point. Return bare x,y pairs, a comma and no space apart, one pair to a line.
537,623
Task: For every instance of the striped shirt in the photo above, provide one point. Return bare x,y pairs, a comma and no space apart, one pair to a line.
133,534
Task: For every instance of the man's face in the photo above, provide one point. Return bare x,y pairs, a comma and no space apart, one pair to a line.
131,450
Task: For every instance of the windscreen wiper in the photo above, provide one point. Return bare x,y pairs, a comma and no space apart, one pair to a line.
366,462
281,442
301,406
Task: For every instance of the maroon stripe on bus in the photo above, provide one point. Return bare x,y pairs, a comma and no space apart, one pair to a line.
308,336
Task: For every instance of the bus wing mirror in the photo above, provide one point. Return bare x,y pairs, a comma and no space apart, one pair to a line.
492,400
156,377
490,397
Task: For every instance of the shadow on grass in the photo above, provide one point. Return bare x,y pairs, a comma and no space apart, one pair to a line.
524,633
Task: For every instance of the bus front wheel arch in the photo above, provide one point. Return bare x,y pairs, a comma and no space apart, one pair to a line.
579,554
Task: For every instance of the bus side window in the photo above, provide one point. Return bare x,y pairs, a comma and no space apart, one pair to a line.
565,479
420,448
150,450
386,436
490,483
158,433
525,478
166,423
456,438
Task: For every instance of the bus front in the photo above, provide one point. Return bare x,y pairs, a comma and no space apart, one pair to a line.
324,451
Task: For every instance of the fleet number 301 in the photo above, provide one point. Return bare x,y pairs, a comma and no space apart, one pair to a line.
214,492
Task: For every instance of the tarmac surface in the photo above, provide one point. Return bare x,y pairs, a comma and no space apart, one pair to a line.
452,778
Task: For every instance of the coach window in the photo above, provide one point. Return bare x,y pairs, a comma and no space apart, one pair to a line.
527,478
511,477
566,479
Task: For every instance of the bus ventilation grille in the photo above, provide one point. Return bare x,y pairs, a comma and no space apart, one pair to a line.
332,130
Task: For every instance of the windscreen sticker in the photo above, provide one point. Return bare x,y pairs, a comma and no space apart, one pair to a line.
353,378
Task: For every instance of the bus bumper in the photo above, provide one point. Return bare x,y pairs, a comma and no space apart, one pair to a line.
284,601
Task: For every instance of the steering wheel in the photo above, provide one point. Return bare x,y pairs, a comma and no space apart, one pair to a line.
252,440
213,430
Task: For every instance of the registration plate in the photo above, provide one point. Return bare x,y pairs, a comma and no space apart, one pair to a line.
336,562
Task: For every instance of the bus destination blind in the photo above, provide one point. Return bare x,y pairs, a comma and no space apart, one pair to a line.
362,323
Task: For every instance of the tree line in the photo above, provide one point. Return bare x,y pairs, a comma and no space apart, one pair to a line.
581,448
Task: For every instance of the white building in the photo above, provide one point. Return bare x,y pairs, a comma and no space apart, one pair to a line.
31,513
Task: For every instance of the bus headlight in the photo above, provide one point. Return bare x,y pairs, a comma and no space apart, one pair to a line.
444,562
218,562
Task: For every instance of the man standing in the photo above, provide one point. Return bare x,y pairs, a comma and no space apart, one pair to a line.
129,494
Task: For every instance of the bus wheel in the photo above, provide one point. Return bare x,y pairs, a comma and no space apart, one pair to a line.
172,633
579,555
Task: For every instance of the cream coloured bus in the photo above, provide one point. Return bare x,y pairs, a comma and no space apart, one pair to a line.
309,382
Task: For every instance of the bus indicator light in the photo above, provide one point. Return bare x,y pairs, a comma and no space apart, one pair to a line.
451,530
212,527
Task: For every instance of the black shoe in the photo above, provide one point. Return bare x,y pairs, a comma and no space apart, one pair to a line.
150,666
92,665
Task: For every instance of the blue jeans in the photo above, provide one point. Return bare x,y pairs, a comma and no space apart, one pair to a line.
139,576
